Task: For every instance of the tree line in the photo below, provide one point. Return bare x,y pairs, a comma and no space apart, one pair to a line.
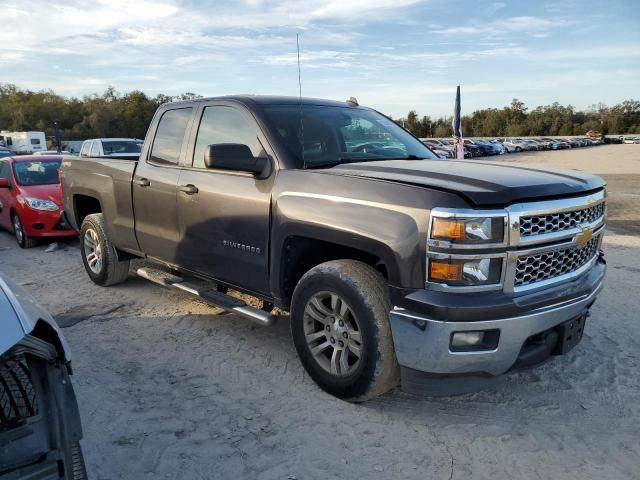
111,114
114,114
517,120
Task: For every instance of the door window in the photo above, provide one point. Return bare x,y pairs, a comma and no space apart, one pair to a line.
225,125
4,170
170,135
95,149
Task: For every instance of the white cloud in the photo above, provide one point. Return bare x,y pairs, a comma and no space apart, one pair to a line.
534,26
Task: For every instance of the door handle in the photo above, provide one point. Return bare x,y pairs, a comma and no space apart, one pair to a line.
188,189
143,182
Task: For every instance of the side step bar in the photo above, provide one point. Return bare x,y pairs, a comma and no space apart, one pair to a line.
213,297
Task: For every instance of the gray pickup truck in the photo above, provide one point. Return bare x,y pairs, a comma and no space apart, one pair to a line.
395,266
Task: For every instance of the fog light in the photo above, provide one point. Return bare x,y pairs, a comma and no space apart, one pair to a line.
464,339
474,341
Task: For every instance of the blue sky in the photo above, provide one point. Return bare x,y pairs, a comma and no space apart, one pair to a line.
393,55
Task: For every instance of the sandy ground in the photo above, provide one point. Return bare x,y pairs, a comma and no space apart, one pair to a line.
169,389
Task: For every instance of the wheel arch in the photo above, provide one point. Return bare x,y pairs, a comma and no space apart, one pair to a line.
301,252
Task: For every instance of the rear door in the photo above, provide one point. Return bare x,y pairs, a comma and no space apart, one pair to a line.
154,186
224,227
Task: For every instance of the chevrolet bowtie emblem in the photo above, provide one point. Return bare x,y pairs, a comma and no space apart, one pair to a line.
584,236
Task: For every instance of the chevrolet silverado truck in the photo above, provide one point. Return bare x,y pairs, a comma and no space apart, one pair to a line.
395,266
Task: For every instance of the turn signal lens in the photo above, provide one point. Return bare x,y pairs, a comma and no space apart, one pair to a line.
461,272
468,230
444,228
445,271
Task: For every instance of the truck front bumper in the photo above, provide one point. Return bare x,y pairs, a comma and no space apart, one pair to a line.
423,344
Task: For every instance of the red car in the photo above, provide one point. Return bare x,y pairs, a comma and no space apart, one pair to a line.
31,198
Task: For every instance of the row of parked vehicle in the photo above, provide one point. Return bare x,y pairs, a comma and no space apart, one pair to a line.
483,147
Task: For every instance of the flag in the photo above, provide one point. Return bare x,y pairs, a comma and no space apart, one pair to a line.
457,127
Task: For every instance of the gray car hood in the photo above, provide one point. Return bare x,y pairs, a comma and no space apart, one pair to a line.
19,314
481,183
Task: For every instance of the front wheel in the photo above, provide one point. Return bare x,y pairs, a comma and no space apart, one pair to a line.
341,331
24,240
99,255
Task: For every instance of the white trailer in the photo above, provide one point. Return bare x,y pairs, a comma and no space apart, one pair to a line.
24,142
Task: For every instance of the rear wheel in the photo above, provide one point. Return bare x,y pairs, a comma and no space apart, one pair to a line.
24,240
99,255
340,327
518,149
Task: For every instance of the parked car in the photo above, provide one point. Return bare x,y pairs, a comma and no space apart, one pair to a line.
559,144
497,145
125,148
394,267
31,200
631,140
515,145
439,149
5,152
40,427
531,145
483,149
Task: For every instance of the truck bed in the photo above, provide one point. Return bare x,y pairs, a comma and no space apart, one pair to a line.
110,180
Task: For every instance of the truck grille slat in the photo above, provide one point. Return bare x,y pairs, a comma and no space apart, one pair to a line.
543,266
558,222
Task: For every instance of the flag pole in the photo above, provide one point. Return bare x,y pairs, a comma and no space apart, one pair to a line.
457,127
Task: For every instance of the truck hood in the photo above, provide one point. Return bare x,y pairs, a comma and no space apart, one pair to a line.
481,183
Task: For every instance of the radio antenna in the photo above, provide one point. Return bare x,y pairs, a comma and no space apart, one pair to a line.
304,165
299,77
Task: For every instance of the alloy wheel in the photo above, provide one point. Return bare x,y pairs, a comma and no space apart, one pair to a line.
333,334
17,229
93,251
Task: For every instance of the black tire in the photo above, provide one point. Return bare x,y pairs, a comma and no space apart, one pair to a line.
518,149
23,240
365,291
112,270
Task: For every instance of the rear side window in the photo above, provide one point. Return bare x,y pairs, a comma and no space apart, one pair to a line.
35,141
95,149
169,137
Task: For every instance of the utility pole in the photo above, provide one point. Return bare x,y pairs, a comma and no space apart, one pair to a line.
56,135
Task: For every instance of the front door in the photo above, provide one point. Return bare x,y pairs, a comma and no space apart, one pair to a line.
5,196
154,186
224,227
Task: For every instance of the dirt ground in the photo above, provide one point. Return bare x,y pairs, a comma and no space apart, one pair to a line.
170,389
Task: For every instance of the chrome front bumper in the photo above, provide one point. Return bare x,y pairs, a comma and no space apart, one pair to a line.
422,343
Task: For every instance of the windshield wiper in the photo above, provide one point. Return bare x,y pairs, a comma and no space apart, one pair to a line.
344,160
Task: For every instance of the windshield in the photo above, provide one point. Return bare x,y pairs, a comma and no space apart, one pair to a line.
39,172
120,147
318,136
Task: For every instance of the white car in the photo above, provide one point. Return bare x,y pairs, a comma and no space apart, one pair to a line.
111,147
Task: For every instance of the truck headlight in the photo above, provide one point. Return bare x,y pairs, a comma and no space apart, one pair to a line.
471,230
465,272
39,204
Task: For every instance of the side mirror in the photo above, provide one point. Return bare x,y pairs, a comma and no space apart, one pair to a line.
233,156
4,183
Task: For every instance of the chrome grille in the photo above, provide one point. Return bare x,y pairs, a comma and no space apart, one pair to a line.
543,266
558,222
